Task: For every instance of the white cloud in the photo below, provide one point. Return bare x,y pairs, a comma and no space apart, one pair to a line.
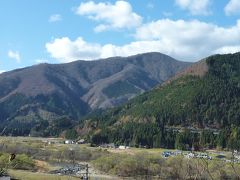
190,39
65,50
55,18
184,40
227,49
14,55
2,71
111,16
132,48
196,7
38,61
233,7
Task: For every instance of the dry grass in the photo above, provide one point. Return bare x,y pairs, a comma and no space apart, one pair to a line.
26,175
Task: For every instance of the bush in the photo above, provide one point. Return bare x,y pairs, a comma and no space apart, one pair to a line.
146,165
106,163
24,162
21,161
129,165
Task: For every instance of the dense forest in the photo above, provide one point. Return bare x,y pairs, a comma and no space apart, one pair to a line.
189,112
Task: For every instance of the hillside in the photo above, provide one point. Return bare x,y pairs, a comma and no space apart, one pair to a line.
199,107
47,98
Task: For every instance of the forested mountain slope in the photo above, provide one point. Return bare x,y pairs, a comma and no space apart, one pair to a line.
199,107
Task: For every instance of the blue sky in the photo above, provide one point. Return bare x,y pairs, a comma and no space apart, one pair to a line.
56,31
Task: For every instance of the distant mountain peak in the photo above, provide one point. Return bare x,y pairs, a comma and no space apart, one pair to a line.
51,91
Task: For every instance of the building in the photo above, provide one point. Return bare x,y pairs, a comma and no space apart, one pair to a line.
123,147
68,142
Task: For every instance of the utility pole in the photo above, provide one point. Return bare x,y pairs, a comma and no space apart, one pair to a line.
86,171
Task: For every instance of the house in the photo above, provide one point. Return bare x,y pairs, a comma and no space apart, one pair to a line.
123,147
68,142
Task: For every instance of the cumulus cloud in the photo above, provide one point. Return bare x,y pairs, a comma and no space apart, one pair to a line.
233,7
195,7
55,18
14,55
191,39
66,50
111,16
184,40
2,71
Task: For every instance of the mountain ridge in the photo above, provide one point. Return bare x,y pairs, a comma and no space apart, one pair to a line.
72,90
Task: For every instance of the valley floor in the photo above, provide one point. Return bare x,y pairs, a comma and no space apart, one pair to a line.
26,175
50,154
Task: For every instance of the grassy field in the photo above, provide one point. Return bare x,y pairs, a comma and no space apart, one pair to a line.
26,175
41,143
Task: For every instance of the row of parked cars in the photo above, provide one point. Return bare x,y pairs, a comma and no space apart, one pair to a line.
189,155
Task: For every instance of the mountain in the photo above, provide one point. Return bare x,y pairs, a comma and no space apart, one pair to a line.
54,96
199,107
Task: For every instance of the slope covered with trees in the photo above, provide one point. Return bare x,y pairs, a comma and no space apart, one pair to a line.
189,111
